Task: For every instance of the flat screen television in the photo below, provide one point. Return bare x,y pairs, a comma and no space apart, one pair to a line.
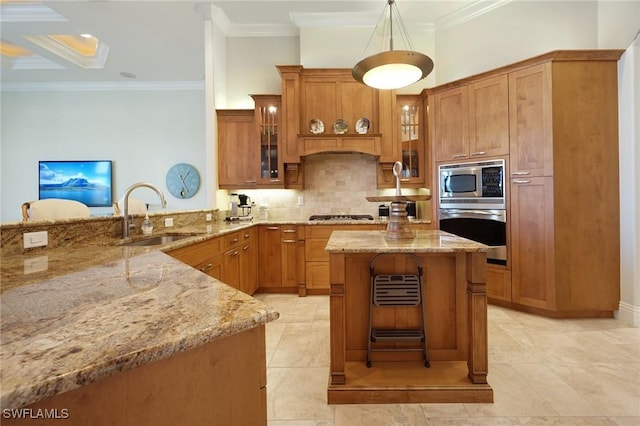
89,182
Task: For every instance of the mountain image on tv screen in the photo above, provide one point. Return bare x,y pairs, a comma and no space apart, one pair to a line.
88,182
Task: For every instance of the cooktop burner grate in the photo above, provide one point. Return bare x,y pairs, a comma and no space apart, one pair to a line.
341,217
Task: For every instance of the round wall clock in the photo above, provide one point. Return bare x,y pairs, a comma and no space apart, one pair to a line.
183,180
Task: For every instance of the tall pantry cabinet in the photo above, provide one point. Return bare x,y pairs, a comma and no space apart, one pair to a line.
563,131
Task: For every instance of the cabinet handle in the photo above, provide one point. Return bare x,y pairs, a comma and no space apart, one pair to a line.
521,181
235,253
251,181
272,228
206,268
288,241
459,155
290,231
405,180
520,173
247,235
235,240
479,153
245,248
275,180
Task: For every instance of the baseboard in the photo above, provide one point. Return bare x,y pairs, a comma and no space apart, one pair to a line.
629,314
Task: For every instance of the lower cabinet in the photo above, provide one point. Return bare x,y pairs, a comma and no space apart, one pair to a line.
281,258
317,259
231,258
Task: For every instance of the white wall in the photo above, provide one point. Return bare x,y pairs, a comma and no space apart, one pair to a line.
629,100
143,132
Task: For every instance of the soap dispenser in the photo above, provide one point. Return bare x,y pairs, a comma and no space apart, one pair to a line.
147,225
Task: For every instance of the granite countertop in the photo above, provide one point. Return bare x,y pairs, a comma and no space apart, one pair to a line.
424,242
100,309
75,313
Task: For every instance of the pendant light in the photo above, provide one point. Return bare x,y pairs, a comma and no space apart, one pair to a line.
392,69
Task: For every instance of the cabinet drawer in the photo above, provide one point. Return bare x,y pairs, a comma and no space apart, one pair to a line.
289,232
324,231
231,240
198,253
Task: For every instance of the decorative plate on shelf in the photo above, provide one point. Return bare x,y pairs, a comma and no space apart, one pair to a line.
316,126
340,127
362,126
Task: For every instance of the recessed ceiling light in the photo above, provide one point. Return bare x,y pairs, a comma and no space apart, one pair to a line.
128,74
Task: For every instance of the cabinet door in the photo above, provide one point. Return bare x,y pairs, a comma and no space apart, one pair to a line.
452,124
231,267
532,242
289,262
489,117
249,261
267,118
409,115
530,122
269,257
237,162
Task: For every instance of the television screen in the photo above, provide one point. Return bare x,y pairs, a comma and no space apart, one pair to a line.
89,182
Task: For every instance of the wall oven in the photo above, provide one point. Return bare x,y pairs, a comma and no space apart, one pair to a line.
472,204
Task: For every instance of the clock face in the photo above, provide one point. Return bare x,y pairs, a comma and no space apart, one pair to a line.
183,180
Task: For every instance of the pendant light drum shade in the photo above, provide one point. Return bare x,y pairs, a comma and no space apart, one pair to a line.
392,69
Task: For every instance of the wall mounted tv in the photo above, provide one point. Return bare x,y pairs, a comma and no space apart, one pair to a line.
89,182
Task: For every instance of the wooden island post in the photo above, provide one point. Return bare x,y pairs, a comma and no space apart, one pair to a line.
455,303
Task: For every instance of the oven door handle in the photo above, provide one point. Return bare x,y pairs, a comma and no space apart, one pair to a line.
498,215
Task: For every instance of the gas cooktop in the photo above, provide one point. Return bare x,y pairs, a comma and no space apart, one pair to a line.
341,217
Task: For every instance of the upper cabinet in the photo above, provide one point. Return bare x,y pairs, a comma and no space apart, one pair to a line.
410,124
267,119
237,149
250,147
472,120
326,110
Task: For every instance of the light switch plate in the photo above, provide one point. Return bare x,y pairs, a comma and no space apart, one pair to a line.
168,221
35,239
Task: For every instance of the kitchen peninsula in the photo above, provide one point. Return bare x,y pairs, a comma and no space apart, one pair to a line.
455,304
108,334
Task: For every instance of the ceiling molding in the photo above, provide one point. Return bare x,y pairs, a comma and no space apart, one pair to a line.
33,62
468,13
28,12
103,86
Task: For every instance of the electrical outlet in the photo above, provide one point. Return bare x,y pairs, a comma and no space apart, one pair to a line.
168,222
208,217
300,200
35,239
36,264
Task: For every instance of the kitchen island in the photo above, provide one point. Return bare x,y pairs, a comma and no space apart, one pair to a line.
103,334
455,305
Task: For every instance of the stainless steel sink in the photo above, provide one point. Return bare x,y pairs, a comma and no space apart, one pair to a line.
157,240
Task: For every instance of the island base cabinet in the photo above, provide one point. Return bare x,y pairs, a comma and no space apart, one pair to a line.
220,383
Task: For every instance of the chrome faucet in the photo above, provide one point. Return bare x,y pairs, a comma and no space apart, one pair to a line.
126,226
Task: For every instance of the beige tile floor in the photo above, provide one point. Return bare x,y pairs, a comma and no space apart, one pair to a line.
542,371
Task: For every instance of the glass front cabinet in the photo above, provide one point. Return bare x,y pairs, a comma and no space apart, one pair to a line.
267,118
410,116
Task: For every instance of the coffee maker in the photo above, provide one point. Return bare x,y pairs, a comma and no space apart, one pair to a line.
239,207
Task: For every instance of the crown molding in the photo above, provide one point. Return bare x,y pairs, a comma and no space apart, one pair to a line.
468,13
102,86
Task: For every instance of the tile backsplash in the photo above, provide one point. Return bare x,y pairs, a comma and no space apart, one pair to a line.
335,183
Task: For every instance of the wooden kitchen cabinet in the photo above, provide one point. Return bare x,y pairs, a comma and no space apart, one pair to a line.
317,259
267,119
237,149
240,262
451,124
472,121
410,114
489,117
565,246
279,258
530,122
205,256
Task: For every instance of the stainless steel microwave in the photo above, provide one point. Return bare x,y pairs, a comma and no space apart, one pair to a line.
478,185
